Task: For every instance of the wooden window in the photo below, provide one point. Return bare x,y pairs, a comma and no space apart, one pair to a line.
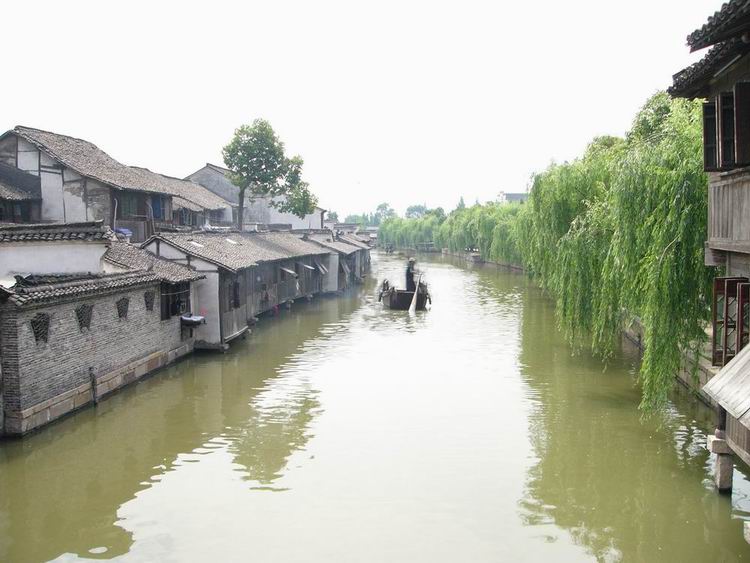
742,123
726,129
148,300
156,207
236,294
725,312
175,299
743,315
127,205
710,148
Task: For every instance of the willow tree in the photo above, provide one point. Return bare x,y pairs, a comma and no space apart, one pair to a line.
255,156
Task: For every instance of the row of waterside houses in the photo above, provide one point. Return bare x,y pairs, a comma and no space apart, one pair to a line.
721,80
109,272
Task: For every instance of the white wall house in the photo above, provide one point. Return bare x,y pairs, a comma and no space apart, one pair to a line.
52,249
215,179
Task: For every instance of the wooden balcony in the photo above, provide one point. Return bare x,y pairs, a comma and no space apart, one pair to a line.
729,211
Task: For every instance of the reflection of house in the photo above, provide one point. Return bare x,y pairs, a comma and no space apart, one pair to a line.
80,182
216,179
20,196
722,80
246,274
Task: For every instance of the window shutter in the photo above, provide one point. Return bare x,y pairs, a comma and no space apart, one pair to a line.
710,152
742,122
726,130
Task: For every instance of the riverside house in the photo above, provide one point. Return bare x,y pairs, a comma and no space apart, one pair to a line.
350,261
246,274
69,337
80,182
259,210
721,79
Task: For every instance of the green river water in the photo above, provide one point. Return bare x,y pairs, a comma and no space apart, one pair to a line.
342,432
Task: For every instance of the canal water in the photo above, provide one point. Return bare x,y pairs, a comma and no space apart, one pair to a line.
340,431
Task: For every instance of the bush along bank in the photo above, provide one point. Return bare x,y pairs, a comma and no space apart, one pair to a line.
620,229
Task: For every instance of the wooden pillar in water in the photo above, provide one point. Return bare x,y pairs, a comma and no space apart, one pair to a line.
717,444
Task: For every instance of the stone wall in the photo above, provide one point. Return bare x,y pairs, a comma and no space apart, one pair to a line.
44,380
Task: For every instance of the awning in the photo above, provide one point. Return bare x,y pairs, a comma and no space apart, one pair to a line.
306,266
731,387
288,271
321,267
345,267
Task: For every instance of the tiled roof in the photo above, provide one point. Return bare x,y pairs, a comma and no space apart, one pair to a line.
133,257
17,185
692,82
42,289
49,232
730,21
354,241
327,241
89,160
234,250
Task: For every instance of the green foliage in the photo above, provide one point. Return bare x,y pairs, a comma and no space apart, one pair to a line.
415,211
615,235
382,212
255,155
332,216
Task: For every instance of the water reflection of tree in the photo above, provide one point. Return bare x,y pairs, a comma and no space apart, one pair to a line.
60,489
623,488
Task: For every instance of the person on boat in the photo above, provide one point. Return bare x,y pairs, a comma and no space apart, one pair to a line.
410,285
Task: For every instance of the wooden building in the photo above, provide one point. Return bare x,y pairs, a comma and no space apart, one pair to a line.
80,182
257,210
246,274
721,79
20,196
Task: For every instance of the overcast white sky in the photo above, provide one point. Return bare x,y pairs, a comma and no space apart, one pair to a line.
405,102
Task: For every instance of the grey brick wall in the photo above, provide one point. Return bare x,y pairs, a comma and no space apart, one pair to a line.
35,372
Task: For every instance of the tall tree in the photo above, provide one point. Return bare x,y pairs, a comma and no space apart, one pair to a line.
382,212
333,216
255,157
416,211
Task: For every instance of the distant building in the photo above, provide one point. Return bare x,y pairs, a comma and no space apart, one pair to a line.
513,197
80,182
259,210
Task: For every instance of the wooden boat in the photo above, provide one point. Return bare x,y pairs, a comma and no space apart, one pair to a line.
400,299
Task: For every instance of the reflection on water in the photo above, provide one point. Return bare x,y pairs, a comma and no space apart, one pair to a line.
343,431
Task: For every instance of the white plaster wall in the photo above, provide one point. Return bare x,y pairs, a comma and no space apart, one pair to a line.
205,296
56,258
311,221
207,305
28,157
74,205
331,279
53,206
